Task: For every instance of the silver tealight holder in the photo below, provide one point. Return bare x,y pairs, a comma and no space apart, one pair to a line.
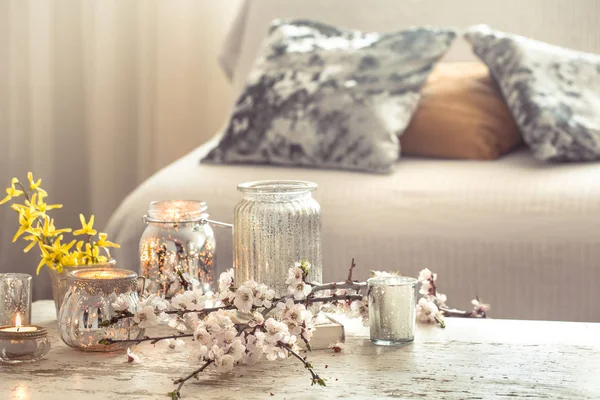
23,343
392,301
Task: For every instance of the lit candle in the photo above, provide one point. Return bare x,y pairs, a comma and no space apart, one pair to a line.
21,343
18,328
108,274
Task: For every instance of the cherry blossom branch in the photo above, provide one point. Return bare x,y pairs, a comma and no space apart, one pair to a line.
451,312
316,379
176,394
350,297
152,340
339,285
203,311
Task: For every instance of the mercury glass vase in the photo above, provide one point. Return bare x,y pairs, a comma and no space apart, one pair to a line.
60,285
177,248
276,223
87,313
15,298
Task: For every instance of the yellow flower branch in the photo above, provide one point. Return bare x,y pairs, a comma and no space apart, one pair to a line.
37,228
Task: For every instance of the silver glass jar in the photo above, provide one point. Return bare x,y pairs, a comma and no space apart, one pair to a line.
87,312
276,224
392,309
177,248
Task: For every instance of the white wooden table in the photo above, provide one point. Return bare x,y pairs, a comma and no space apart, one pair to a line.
470,359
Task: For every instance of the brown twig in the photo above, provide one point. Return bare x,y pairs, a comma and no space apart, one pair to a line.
339,285
352,266
315,378
450,312
176,394
152,340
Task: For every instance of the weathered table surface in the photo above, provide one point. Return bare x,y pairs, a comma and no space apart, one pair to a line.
470,359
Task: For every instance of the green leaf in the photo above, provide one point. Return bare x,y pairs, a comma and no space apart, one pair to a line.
104,323
174,395
106,341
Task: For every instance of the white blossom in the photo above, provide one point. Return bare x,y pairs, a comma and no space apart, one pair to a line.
360,309
189,300
273,352
479,308
237,349
295,275
154,301
275,331
440,299
226,280
224,363
145,317
257,320
191,320
427,311
202,336
263,296
120,304
132,357
173,344
426,275
198,354
425,288
254,348
381,274
300,290
243,299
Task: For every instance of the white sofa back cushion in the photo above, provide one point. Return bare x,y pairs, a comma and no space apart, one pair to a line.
571,24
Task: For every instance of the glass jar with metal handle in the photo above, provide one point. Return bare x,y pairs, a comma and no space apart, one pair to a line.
177,248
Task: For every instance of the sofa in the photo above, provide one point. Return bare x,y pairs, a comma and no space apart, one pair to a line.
521,234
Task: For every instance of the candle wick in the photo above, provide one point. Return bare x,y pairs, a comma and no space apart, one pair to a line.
18,328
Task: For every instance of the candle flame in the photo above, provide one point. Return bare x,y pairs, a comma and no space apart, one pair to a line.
18,322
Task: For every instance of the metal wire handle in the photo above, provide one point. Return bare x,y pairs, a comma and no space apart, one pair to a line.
219,224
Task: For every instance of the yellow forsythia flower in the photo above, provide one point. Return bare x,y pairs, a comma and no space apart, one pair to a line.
33,184
11,191
102,242
49,231
86,228
27,217
47,259
41,204
34,240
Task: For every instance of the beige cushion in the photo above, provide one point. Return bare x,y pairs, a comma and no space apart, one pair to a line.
461,115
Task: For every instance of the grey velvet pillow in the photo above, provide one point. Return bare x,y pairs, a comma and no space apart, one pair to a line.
327,97
552,92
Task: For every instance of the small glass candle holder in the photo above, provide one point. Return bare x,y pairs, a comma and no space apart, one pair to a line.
22,344
392,301
15,298
86,315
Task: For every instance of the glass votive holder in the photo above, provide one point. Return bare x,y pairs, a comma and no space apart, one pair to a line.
392,301
22,344
15,298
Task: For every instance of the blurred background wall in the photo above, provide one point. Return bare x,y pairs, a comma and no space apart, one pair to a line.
97,95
